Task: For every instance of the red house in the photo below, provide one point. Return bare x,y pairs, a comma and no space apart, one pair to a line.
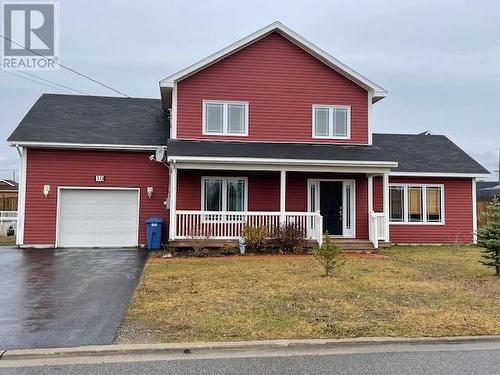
269,130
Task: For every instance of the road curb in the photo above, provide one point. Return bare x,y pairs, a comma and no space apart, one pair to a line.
189,348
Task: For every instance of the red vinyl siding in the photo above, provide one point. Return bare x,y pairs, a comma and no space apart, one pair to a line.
281,82
263,189
458,225
79,168
264,192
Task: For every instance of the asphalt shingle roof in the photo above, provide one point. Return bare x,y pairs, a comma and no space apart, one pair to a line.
78,119
94,120
414,153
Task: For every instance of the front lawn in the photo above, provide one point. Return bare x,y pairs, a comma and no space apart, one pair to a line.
414,291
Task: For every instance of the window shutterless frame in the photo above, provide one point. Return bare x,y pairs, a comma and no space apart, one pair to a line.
406,198
331,110
225,118
224,180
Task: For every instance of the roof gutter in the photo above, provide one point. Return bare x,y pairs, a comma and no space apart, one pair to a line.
439,174
88,146
276,161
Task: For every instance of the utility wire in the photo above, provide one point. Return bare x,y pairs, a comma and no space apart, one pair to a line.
47,80
67,68
32,80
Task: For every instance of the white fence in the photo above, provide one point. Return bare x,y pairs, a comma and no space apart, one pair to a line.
229,224
377,227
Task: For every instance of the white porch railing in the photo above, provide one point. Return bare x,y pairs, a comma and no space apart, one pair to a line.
8,216
229,224
377,227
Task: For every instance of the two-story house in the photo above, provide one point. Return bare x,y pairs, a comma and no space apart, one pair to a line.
269,130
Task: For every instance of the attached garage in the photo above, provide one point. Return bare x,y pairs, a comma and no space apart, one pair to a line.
94,217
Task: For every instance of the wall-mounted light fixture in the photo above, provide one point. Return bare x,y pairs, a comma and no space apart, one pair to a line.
46,189
149,191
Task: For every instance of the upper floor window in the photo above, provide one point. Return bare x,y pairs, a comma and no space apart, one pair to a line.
225,118
416,204
331,121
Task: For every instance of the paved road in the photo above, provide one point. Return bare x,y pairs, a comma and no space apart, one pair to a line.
72,297
466,359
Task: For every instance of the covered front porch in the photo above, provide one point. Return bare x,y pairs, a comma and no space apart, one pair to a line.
215,199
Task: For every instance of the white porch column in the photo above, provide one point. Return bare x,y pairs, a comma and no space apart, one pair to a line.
386,205
172,194
474,212
370,206
282,195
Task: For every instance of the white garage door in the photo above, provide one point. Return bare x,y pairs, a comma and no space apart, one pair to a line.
97,218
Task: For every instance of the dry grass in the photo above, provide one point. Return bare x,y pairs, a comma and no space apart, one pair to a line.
416,291
7,240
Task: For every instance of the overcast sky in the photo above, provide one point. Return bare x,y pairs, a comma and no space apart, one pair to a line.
439,61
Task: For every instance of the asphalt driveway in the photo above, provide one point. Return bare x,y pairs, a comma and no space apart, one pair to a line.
60,298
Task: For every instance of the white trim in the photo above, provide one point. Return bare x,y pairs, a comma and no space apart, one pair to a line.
424,205
370,205
172,194
283,192
370,103
225,117
85,146
173,113
244,160
21,203
224,180
293,37
385,187
439,174
474,212
331,108
58,204
346,233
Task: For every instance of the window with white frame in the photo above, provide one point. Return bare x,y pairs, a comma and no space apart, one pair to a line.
224,194
416,204
331,121
225,118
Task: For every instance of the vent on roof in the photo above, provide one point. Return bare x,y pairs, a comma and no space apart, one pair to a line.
425,133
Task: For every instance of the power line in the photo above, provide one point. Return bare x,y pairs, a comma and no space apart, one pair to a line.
47,80
32,80
67,67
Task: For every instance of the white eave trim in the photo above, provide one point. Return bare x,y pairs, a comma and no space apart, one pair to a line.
378,91
438,174
272,161
92,146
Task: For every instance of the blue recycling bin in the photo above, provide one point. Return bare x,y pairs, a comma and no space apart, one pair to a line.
154,231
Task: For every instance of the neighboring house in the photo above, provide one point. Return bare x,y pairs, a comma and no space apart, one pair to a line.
268,130
487,190
8,189
8,205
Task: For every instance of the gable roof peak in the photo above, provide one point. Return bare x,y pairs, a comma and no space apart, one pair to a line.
377,92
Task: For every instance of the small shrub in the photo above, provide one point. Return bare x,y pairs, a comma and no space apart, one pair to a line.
228,249
329,255
290,237
254,236
489,237
199,240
